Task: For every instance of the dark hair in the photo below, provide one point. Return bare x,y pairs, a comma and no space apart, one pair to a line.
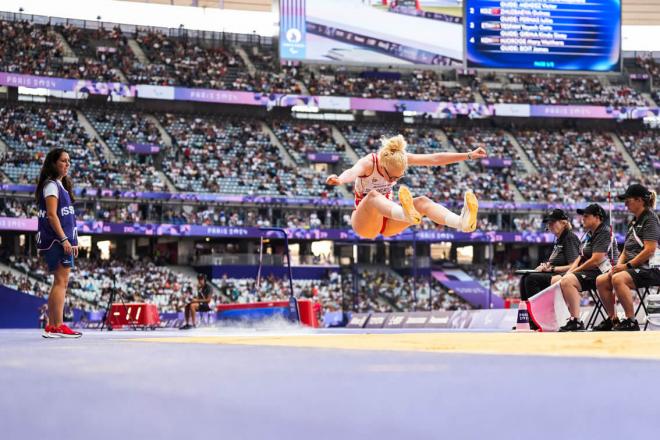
49,172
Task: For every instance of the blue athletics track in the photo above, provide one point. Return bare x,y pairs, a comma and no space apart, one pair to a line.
292,383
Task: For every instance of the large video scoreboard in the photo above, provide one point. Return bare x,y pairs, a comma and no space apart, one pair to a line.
572,35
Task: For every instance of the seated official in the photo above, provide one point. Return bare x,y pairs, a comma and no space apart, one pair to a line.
597,253
639,263
565,252
200,304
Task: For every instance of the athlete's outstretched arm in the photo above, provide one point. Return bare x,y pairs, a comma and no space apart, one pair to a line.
361,167
437,159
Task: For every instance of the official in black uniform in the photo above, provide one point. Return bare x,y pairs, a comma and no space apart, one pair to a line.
639,263
596,256
566,250
201,303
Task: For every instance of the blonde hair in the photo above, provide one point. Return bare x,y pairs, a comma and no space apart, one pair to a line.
651,202
393,152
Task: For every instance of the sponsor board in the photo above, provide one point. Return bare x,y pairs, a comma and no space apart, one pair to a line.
395,320
358,320
376,320
439,319
416,320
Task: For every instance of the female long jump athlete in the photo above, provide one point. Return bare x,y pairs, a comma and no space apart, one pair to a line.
376,174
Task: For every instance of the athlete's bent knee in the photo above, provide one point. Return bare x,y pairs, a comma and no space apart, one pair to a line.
567,280
421,202
602,281
619,278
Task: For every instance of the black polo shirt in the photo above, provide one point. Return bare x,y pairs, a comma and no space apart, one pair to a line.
204,293
566,249
598,241
647,228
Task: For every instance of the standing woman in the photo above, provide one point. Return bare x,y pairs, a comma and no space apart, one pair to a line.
57,239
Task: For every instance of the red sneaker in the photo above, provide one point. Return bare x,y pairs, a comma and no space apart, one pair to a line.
49,332
65,332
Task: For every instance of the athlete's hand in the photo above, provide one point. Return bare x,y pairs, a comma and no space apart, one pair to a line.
75,251
479,153
67,247
333,180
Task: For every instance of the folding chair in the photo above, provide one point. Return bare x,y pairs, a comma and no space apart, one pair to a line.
642,293
206,318
598,309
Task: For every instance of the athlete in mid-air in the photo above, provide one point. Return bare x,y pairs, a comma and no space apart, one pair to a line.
375,175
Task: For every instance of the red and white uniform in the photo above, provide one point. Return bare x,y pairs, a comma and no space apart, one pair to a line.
375,180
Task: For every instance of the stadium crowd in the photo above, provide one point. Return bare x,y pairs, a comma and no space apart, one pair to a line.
105,55
533,89
572,165
421,85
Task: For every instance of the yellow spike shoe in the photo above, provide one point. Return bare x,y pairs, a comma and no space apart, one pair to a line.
469,212
406,200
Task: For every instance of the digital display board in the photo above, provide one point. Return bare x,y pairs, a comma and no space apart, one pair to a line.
371,32
566,35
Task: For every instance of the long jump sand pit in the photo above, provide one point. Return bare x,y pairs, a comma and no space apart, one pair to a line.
635,345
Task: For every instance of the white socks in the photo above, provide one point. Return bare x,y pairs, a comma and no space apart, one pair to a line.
397,213
439,214
452,220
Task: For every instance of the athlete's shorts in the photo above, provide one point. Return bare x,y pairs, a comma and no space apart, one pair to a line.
56,256
382,228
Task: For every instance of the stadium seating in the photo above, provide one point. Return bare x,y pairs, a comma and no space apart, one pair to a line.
187,62
417,85
573,165
532,89
31,131
103,50
104,55
644,147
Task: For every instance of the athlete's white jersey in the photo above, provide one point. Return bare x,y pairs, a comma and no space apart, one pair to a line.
375,180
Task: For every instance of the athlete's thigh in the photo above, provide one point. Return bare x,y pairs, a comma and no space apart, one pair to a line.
366,221
394,227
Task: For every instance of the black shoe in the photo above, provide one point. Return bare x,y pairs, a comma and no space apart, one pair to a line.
185,327
607,325
627,325
572,325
